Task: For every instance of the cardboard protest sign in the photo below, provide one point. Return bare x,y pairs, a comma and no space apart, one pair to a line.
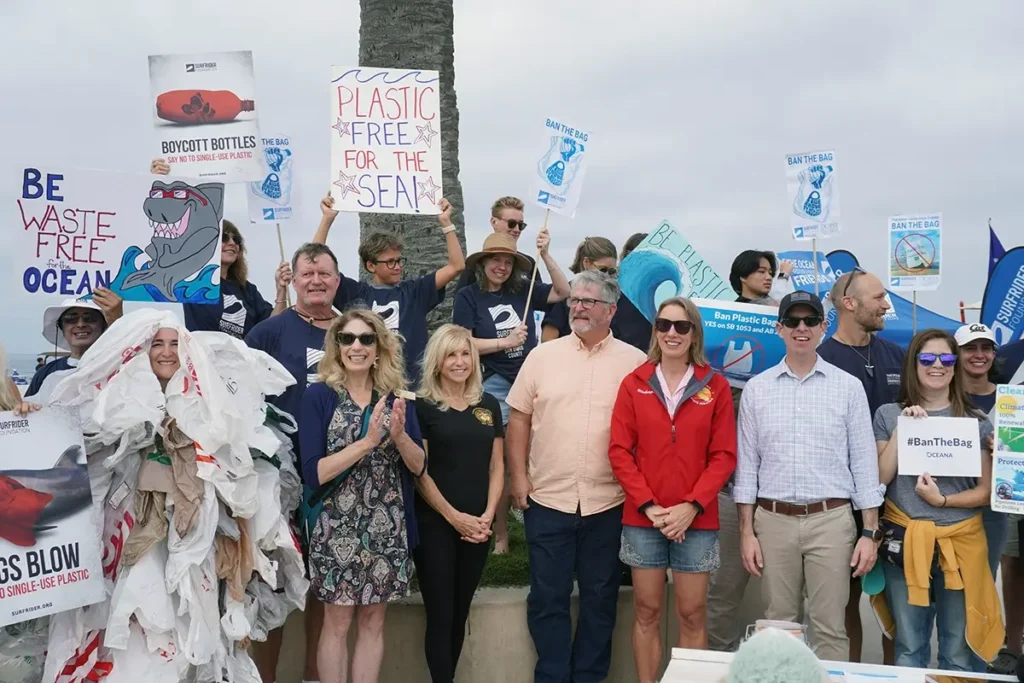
803,275
915,252
664,265
940,446
1008,458
145,239
49,543
386,140
204,114
813,194
270,199
557,179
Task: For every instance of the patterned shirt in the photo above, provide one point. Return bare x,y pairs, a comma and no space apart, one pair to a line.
805,440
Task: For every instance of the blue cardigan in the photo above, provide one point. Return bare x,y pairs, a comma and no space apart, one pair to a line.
319,402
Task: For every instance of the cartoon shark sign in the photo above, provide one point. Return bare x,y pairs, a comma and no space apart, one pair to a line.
49,540
146,240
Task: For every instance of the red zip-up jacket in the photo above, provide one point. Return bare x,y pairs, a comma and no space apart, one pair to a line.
672,459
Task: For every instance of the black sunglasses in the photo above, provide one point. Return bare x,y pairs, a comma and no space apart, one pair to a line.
610,271
348,338
513,224
857,270
927,360
663,325
227,237
793,322
87,317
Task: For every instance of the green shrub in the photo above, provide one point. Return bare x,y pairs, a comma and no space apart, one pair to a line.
510,569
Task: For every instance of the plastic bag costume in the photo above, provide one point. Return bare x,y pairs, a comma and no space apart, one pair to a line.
193,488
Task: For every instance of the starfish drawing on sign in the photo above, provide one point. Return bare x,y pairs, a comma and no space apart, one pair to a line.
428,189
347,183
343,128
426,134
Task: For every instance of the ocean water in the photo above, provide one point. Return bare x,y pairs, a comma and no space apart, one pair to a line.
25,364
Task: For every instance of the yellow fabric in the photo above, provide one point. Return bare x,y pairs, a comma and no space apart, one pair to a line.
963,559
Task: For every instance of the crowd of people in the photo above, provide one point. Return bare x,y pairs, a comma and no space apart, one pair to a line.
619,443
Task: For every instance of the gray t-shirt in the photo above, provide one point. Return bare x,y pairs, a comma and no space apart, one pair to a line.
901,491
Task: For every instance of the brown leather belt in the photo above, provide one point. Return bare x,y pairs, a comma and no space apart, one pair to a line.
801,509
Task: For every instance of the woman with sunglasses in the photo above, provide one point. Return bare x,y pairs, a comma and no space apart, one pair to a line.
360,444
242,305
937,522
629,324
673,447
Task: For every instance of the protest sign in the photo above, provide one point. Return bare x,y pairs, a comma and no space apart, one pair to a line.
803,277
940,446
740,339
664,265
385,140
270,199
557,179
49,540
1008,457
205,115
915,252
145,239
813,194
1002,308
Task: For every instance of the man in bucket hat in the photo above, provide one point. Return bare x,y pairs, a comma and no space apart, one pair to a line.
73,326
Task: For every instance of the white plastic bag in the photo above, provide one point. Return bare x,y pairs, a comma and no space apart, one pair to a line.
141,593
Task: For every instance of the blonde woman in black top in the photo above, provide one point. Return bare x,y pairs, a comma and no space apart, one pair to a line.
457,498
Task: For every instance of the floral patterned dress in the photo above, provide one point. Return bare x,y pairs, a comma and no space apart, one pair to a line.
359,553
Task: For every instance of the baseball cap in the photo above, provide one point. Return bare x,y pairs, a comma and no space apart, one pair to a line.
800,298
973,332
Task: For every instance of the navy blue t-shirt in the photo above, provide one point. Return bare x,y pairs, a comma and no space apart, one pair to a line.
628,325
492,315
984,402
403,307
1008,360
295,344
42,373
240,309
883,386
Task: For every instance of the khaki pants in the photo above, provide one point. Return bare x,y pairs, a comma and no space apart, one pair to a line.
809,555
728,583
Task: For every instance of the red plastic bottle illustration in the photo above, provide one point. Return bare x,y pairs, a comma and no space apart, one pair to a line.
196,107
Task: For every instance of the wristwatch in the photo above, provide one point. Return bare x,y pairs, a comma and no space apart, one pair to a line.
874,534
783,276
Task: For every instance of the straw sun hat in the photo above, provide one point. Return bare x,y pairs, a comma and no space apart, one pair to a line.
499,243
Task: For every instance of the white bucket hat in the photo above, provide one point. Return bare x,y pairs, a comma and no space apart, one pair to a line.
52,314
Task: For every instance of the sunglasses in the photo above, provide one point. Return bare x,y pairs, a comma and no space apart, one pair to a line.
793,322
513,224
664,325
89,318
927,360
226,237
610,271
348,339
857,270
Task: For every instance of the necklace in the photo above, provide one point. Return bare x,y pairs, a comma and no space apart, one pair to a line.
310,319
868,367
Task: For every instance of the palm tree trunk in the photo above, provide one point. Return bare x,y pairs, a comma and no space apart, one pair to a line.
418,34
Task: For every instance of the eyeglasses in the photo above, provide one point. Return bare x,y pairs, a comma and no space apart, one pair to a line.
513,224
87,317
610,271
392,263
176,193
857,270
587,304
663,325
793,322
348,339
927,360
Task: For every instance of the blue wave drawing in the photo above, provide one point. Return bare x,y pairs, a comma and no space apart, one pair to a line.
650,270
199,290
384,74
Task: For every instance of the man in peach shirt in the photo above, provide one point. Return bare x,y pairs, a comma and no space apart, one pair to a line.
561,413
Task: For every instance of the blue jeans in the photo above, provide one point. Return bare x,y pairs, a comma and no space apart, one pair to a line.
560,544
997,530
498,387
914,624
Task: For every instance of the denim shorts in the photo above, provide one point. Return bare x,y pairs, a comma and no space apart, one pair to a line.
498,387
647,548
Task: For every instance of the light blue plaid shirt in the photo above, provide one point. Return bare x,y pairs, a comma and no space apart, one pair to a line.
803,441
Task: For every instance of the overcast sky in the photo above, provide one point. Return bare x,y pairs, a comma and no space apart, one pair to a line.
692,107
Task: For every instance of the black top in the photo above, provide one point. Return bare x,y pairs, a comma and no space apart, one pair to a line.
984,402
240,309
459,446
882,382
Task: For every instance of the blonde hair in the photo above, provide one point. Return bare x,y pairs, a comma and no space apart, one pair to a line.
388,370
696,350
9,398
506,203
445,341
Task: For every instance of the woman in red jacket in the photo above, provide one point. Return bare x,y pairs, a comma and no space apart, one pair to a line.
673,447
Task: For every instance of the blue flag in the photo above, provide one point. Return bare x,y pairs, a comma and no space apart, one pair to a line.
995,250
1002,308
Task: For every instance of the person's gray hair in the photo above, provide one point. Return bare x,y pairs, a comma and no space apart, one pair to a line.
609,286
311,251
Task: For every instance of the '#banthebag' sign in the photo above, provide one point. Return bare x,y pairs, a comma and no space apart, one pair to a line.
49,545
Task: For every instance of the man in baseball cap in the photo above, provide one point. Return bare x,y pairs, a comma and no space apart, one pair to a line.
801,298
978,351
73,326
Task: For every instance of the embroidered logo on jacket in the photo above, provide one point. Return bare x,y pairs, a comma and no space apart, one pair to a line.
645,392
483,416
703,397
